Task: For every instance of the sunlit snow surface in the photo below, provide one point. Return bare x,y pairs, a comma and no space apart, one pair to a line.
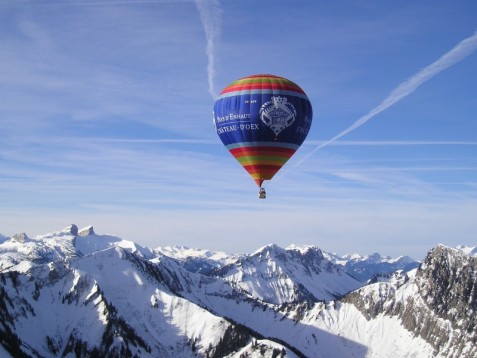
472,251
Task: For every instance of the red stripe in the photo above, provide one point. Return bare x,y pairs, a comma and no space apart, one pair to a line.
262,169
262,76
264,86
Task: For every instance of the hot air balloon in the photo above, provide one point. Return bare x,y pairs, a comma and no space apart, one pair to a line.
262,120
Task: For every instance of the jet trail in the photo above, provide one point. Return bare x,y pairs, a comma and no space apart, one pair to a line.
211,16
457,54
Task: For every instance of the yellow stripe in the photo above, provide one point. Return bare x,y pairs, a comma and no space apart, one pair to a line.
257,160
262,176
261,80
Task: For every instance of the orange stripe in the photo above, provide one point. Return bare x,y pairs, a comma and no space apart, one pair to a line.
253,86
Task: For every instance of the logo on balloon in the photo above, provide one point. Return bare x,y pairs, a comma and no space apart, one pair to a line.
278,114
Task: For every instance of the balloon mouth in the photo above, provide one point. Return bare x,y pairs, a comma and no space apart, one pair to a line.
259,182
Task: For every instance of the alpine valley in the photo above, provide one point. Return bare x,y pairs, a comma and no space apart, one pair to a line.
74,293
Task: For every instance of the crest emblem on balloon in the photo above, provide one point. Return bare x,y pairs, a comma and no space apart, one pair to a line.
278,114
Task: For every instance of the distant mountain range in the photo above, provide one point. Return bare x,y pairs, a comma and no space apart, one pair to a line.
74,293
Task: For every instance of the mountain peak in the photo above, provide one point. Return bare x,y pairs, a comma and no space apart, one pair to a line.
269,248
86,231
20,237
303,249
71,229
276,275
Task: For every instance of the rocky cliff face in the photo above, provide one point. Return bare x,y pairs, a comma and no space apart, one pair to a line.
438,304
447,283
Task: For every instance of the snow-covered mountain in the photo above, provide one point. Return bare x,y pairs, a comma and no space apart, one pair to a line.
436,304
472,251
198,260
291,275
364,268
84,295
74,293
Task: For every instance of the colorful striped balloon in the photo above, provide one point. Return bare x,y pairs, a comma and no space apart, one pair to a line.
262,120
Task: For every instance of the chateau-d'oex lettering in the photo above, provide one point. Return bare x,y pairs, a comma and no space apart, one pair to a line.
236,127
249,126
225,129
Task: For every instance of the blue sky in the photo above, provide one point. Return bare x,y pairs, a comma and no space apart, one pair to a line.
106,120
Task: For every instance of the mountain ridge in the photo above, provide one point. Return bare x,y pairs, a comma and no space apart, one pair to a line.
74,293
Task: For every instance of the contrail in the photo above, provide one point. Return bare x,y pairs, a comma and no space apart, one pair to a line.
393,143
211,15
458,53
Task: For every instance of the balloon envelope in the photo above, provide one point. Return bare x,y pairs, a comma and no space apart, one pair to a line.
262,120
